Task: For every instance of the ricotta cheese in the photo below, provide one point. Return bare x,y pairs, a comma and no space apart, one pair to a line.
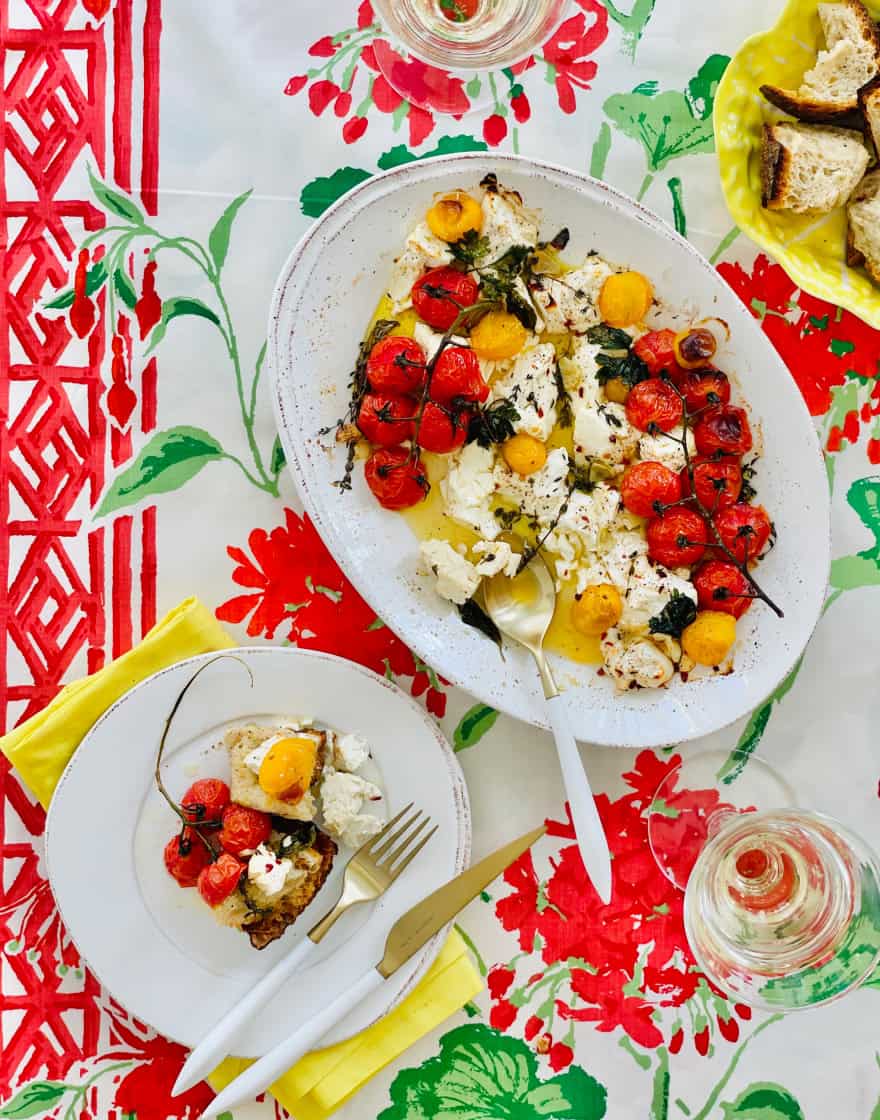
350,752
267,872
666,448
570,302
531,387
457,578
506,223
430,340
602,431
468,488
579,371
421,251
637,662
343,797
498,556
539,495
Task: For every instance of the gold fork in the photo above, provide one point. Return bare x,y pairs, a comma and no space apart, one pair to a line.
368,874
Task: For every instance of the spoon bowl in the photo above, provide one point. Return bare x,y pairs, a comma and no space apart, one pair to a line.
523,607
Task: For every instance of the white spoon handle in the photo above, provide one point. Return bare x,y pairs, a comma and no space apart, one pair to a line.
590,835
217,1043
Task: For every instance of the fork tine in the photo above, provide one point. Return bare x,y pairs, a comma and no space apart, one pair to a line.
377,853
367,849
407,860
404,844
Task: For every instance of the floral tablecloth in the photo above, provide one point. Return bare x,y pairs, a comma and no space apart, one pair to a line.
159,160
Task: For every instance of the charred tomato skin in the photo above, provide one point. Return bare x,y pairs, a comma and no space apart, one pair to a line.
745,530
396,365
397,480
654,404
677,538
441,294
721,586
723,429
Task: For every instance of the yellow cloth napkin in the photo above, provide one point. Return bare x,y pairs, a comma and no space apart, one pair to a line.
325,1079
40,749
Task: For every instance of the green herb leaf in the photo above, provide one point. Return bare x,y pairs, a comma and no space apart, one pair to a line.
124,288
116,203
678,613
629,368
564,414
493,423
609,338
472,614
218,238
174,308
473,726
35,1099
470,249
168,460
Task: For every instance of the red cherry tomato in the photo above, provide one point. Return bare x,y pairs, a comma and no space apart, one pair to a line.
396,365
457,374
185,856
725,429
440,295
205,800
244,829
721,586
702,387
717,482
677,538
386,418
644,484
657,351
459,11
442,430
744,529
218,880
397,481
654,403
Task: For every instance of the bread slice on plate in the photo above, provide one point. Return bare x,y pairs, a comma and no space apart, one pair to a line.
245,788
863,234
869,103
829,92
810,168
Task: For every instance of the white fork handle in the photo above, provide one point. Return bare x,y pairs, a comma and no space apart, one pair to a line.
268,1069
588,828
215,1046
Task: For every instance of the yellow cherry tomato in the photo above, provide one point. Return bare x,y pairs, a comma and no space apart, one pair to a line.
709,638
454,215
498,335
597,609
625,299
617,390
524,454
287,769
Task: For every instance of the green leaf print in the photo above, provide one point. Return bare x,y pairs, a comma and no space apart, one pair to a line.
96,274
632,23
35,1099
165,463
473,726
863,568
218,238
114,202
763,1100
124,288
669,124
278,459
481,1074
174,308
320,194
446,145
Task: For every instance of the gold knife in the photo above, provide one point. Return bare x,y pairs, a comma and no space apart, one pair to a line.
408,934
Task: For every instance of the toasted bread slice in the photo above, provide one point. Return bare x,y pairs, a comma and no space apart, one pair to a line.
810,168
829,92
244,787
863,213
869,103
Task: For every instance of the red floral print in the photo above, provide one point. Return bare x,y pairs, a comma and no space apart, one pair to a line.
625,965
121,398
97,8
354,129
82,310
494,130
569,45
293,581
148,308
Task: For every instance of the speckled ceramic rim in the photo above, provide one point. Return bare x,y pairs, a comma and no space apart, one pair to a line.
428,955
740,321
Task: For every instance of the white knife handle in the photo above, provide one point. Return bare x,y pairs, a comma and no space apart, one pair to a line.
287,1053
217,1043
588,828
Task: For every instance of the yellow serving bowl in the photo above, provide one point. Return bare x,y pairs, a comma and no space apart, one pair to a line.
811,248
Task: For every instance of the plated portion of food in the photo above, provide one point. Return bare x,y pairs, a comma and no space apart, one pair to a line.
509,401
259,847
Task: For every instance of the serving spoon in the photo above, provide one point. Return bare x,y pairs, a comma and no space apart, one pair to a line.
522,608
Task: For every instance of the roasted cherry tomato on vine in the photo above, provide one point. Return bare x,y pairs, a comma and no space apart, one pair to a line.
185,856
695,348
205,800
745,530
244,829
654,403
702,387
386,418
725,429
644,484
457,374
677,538
397,480
441,294
657,351
717,482
396,365
442,430
721,586
218,880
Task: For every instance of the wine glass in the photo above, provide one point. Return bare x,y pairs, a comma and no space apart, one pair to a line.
463,38
782,904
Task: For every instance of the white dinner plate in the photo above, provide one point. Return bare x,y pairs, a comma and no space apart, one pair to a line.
156,947
325,297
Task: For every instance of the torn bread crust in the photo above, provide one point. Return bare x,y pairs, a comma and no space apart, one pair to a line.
810,168
244,786
863,230
812,110
869,104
